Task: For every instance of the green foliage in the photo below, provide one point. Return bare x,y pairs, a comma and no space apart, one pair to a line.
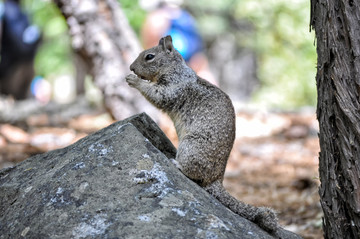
280,37
54,55
287,56
134,13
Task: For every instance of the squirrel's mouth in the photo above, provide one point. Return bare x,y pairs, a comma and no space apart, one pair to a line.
140,76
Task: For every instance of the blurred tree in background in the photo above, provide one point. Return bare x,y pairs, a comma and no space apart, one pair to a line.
276,30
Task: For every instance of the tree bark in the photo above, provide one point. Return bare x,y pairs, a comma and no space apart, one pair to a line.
337,27
104,41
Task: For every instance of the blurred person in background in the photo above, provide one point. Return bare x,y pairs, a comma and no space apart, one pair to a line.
166,17
19,42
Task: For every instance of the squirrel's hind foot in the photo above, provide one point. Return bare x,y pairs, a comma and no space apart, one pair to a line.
267,219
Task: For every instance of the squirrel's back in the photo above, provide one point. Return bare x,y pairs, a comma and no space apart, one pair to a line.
203,107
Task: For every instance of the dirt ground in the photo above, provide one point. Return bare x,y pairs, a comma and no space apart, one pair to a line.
274,161
280,170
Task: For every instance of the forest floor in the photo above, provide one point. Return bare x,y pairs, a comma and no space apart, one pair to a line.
274,161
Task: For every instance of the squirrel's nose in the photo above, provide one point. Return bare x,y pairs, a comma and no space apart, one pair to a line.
132,67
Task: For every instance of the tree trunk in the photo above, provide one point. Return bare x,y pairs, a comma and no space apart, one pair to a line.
104,41
337,28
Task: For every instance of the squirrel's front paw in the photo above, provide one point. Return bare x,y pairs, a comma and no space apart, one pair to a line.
176,163
132,80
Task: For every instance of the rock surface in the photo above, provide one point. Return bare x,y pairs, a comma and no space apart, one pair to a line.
115,183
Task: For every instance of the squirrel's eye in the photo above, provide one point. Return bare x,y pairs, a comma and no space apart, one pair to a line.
148,57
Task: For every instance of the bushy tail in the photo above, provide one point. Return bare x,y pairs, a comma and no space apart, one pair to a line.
264,217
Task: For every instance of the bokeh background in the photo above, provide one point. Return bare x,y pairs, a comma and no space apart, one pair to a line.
270,39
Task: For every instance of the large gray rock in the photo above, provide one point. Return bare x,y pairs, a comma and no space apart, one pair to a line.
115,183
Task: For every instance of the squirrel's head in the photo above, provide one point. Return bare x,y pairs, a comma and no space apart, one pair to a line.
154,62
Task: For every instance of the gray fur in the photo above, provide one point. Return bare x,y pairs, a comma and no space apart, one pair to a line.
204,119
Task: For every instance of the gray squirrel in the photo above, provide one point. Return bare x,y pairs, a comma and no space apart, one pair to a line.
204,119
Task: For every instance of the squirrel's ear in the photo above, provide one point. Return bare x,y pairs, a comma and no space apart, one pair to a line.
166,43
